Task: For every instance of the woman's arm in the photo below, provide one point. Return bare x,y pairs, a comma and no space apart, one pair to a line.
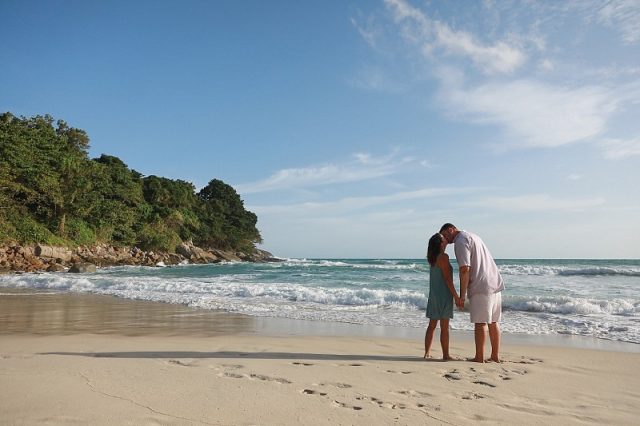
443,263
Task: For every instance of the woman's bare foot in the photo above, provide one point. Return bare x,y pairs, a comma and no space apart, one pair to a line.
475,359
427,355
447,358
492,359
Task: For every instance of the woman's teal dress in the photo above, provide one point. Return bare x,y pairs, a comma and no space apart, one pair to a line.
440,304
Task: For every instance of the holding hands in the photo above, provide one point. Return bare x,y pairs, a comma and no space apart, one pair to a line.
459,302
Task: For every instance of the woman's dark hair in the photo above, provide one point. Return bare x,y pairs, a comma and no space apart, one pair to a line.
434,248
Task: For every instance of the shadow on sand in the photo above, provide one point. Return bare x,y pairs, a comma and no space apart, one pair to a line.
239,355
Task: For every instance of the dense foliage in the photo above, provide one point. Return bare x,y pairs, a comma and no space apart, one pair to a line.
51,192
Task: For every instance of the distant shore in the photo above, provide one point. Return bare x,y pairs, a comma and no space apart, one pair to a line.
39,258
81,358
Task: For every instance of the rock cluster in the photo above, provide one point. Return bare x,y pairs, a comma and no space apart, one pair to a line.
18,258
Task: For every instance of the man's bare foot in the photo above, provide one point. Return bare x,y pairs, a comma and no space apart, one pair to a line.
475,359
447,358
492,359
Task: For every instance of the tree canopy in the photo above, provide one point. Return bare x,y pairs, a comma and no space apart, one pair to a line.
51,192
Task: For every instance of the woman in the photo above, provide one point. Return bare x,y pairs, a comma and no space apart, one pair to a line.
441,295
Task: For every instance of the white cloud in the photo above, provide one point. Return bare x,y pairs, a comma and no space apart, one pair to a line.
623,15
367,31
546,65
534,114
355,203
430,35
614,71
362,167
615,149
537,203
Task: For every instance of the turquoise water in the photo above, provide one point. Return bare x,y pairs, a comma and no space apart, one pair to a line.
595,298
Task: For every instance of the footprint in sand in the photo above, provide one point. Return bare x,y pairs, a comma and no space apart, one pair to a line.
303,364
312,392
452,375
233,366
525,360
335,385
399,372
355,364
251,376
382,404
334,402
481,382
343,405
473,396
507,374
414,394
269,379
180,363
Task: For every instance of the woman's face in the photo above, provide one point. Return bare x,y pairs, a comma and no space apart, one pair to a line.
443,245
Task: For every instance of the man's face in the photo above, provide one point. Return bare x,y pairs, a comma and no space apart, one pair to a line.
448,235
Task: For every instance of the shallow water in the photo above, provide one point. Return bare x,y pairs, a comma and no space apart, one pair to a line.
593,298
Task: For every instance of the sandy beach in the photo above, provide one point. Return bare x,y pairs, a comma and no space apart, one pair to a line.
83,359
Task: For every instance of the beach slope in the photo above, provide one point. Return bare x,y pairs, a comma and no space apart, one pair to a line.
252,379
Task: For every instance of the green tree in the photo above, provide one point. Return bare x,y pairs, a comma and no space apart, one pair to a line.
118,206
225,221
51,192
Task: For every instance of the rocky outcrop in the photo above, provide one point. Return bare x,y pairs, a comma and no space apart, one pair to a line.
196,254
14,258
226,256
261,256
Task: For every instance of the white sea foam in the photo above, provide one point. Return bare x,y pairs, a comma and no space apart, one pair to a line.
538,300
569,305
567,270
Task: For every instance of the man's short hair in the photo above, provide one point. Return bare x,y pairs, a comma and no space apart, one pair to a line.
447,226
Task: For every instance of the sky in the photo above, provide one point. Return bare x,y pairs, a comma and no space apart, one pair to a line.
355,129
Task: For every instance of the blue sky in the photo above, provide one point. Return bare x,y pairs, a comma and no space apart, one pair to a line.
355,129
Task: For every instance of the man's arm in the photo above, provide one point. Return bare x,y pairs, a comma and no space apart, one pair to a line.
464,282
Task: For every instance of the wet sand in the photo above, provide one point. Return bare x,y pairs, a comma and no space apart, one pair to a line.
87,359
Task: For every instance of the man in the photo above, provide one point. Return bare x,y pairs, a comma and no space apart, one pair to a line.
479,276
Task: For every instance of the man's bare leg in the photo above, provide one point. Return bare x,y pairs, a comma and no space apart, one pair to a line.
480,333
494,337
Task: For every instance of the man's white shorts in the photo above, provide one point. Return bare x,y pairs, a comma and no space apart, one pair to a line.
485,308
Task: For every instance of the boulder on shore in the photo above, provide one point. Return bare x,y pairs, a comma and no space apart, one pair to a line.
82,268
49,252
225,255
196,254
56,267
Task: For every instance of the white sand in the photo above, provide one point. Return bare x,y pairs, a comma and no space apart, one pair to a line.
248,378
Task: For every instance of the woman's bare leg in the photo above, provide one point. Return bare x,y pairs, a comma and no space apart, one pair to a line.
428,337
444,338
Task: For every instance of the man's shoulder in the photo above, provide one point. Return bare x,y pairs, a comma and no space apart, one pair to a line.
463,236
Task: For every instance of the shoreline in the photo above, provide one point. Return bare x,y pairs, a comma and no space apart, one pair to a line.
47,312
69,358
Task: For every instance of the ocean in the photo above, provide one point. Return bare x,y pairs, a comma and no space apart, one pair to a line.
593,298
